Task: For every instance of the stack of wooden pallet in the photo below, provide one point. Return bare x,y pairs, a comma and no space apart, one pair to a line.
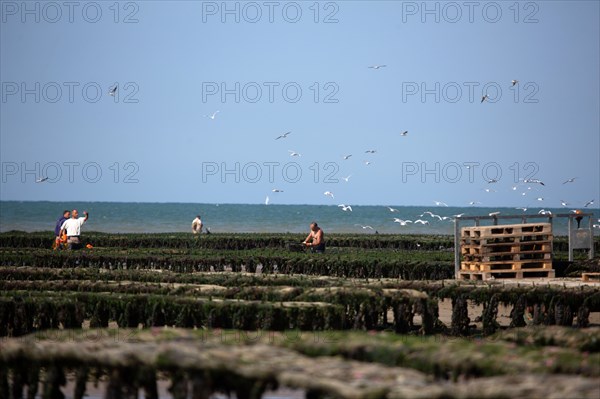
506,251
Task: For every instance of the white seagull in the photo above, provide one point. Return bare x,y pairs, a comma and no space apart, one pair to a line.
421,221
213,116
540,198
459,215
523,209
494,213
370,151
571,180
346,157
367,163
364,227
113,90
514,82
589,203
41,180
392,209
544,212
276,190
440,203
474,203
492,181
489,190
377,66
537,181
294,153
484,98
404,133
346,178
267,200
328,194
283,136
345,207
402,222
564,203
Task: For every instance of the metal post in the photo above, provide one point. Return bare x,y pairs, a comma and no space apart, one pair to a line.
591,226
456,248
570,227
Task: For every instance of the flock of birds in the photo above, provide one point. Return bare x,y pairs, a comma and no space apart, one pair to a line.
527,185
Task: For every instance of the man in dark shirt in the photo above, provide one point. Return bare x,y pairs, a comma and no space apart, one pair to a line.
66,215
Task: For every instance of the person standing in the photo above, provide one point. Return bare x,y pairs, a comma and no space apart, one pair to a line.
315,240
197,225
57,238
73,229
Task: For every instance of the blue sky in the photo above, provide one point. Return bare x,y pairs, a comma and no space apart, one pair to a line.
172,60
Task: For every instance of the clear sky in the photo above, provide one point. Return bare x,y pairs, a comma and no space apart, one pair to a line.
273,67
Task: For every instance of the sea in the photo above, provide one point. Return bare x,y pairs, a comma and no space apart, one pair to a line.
132,217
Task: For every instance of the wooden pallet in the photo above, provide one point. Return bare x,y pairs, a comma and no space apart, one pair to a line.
506,230
502,249
506,274
590,277
502,266
508,240
522,257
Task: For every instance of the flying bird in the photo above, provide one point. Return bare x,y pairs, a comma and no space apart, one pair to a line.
589,203
377,66
329,194
421,221
563,203
370,151
404,133
514,82
364,227
540,198
267,200
347,178
494,213
492,181
402,222
459,215
345,207
484,98
537,181
367,163
283,136
213,116
489,190
440,203
41,180
544,212
392,209
571,180
113,90
523,209
294,153
346,157
474,202
276,190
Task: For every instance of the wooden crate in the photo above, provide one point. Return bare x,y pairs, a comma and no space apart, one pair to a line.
509,251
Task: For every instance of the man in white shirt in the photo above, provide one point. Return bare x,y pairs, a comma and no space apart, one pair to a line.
73,228
197,225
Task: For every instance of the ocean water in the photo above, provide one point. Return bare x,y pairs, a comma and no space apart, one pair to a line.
123,217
